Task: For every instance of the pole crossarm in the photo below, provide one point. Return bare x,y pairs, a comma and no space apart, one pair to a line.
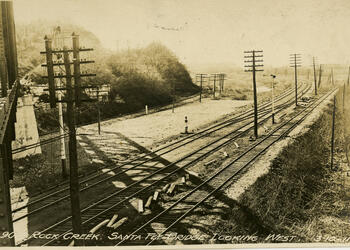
256,65
254,51
249,70
68,50
65,76
250,61
253,56
62,64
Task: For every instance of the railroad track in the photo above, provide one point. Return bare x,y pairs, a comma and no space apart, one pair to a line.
176,211
230,120
47,200
103,207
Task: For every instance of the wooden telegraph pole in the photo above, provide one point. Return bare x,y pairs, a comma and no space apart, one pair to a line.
221,79
214,81
344,97
253,67
223,82
273,99
315,79
173,95
295,63
201,77
348,76
333,127
73,160
57,42
73,97
319,76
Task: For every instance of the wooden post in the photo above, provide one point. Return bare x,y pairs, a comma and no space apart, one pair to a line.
214,86
73,161
76,62
255,99
273,99
173,97
315,79
201,88
56,38
319,76
254,68
50,72
98,111
333,127
296,80
220,84
344,98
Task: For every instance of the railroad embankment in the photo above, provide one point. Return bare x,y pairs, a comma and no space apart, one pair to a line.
300,194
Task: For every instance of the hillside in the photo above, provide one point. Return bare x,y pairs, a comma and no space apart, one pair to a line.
137,77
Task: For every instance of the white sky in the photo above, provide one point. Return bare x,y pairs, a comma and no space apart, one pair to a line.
210,31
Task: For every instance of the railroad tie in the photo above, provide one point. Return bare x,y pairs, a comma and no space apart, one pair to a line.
119,223
165,187
149,201
140,206
155,195
111,222
101,224
171,188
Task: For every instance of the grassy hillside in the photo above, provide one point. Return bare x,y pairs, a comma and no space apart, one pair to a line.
137,77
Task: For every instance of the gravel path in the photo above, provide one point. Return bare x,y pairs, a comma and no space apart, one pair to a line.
149,129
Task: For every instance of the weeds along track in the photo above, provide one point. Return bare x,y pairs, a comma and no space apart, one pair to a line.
103,208
177,210
46,200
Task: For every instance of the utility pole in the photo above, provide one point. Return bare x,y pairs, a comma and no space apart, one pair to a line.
220,84
332,76
98,111
348,76
73,95
273,100
57,43
253,67
313,59
73,160
201,79
320,76
295,63
173,96
344,98
333,125
221,79
214,85
76,64
98,91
